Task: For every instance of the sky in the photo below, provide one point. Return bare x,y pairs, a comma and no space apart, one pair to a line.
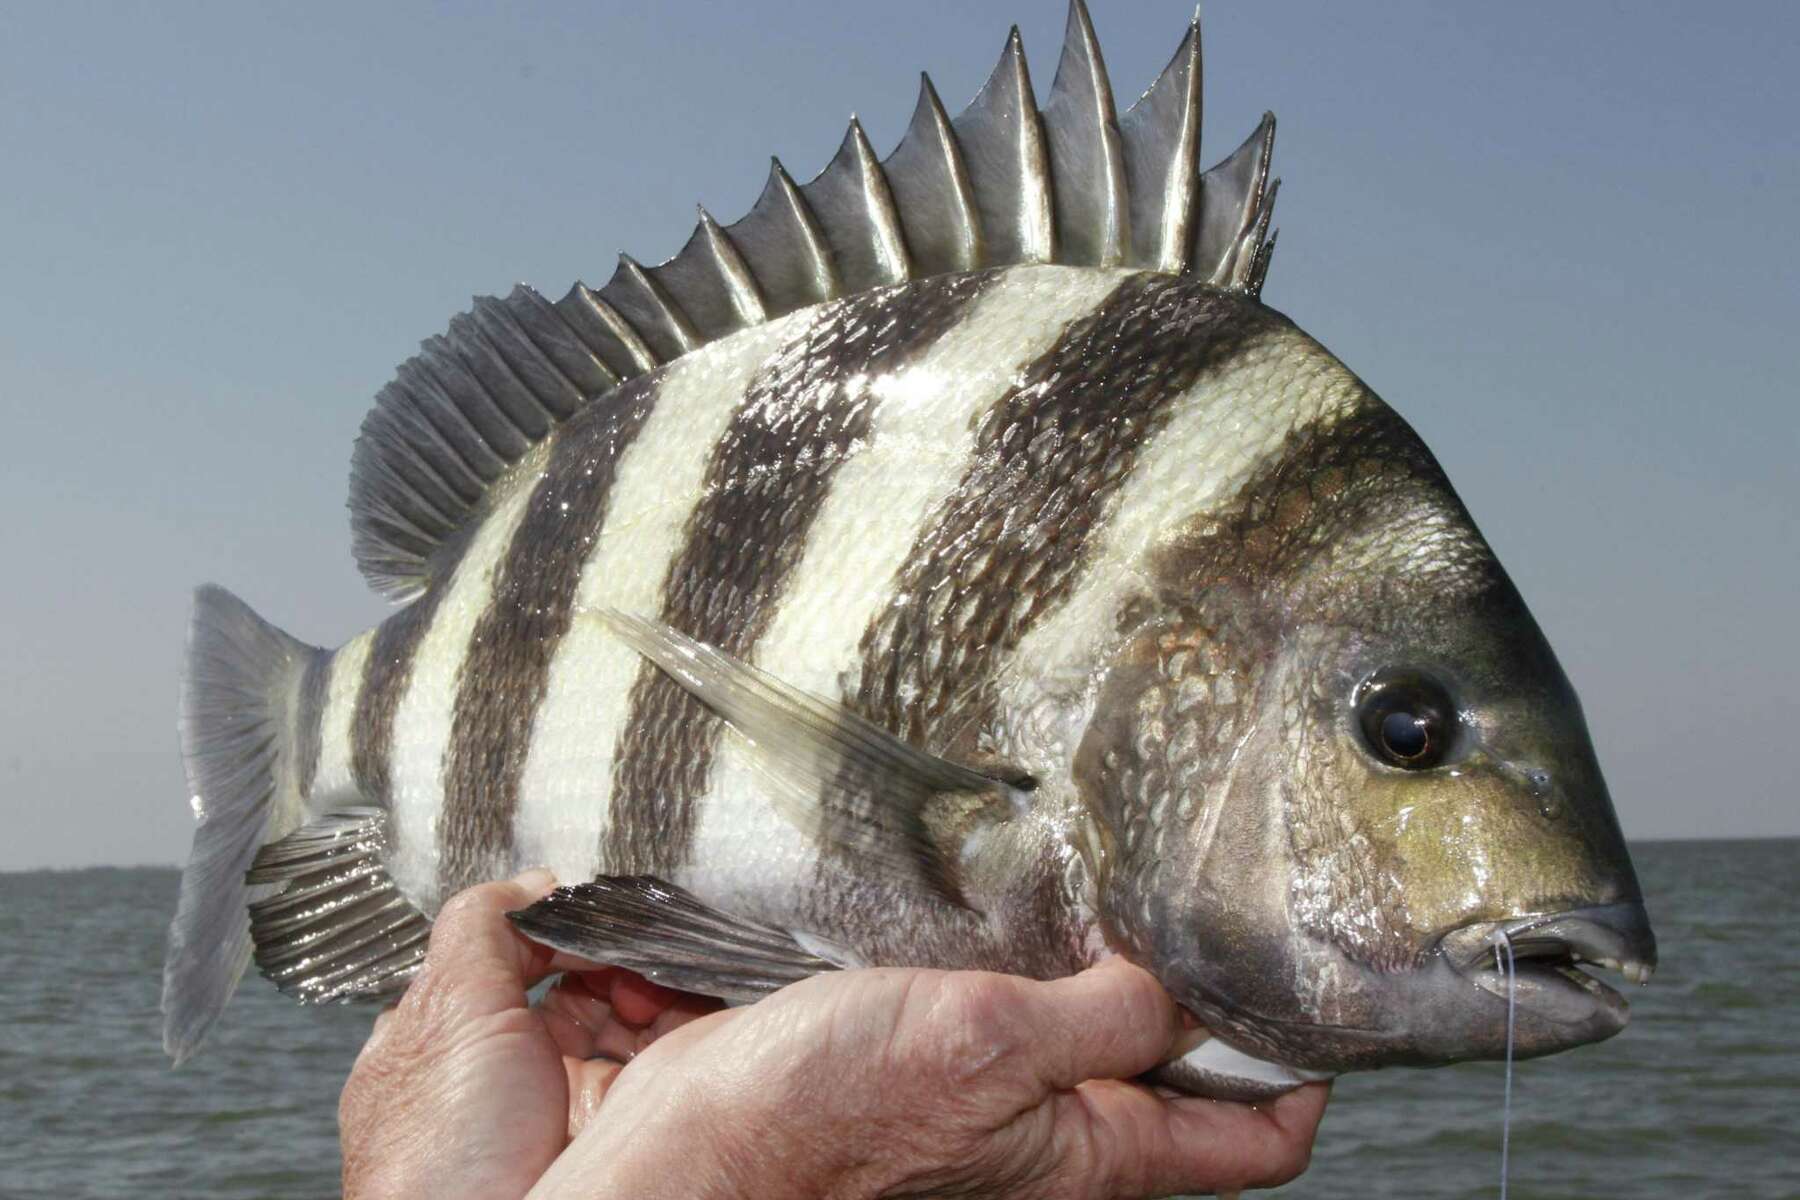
1560,239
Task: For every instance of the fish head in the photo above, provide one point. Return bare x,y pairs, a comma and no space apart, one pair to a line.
1341,771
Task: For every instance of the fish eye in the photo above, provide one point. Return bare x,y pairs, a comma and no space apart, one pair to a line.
1408,719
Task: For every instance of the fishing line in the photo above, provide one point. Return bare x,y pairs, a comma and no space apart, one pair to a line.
1499,939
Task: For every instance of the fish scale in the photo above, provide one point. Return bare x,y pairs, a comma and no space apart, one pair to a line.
950,563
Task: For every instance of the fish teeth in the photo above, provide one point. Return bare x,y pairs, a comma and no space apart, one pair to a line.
1637,972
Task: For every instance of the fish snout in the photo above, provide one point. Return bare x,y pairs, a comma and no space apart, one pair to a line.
1537,960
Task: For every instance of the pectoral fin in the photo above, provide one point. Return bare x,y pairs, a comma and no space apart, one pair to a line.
855,788
668,936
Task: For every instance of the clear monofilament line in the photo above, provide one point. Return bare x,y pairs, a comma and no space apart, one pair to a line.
1512,995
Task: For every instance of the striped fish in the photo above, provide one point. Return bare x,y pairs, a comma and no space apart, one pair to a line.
950,563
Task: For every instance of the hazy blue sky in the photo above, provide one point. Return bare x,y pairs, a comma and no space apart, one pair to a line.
1560,238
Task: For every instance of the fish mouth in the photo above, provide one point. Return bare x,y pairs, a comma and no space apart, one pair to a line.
1548,952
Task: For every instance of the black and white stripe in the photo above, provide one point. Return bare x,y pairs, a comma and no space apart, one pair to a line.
1008,544
903,499
746,857
562,790
334,780
422,704
503,677
802,418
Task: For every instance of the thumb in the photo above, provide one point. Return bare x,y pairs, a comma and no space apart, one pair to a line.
1112,1021
476,963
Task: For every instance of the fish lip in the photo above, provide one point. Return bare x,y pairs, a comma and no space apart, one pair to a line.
1547,949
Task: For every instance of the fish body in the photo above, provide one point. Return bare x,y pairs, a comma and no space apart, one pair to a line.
950,564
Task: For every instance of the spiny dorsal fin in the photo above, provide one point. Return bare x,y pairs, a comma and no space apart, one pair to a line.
1001,184
1237,199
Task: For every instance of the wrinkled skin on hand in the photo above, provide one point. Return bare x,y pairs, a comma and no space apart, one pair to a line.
855,1084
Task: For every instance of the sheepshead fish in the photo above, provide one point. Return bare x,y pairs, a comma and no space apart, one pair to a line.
952,563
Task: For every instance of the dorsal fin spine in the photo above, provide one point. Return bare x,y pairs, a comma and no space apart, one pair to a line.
1161,136
640,300
855,210
806,226
1037,207
1002,141
740,284
1003,183
1260,270
930,183
632,356
958,171
1087,159
883,216
1236,200
1259,245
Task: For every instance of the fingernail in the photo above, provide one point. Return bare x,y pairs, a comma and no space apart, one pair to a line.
536,880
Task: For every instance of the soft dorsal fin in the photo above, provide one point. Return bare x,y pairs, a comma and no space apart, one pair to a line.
1003,183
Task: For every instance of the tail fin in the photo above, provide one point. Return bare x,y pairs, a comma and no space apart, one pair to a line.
237,736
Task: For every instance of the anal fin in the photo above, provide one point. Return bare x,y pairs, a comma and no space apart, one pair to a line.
670,937
338,929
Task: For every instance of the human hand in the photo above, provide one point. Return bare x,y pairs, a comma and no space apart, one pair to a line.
464,1088
911,1082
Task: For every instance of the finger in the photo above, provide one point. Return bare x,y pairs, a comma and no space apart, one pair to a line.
638,1001
685,1010
589,1082
680,1035
576,1012
582,1022
1257,1146
1141,1144
1111,1021
475,962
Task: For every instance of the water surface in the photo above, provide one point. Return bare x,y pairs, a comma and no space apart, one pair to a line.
1696,1099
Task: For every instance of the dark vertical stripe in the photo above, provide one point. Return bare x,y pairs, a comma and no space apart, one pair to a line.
385,679
1005,548
506,671
309,720
801,419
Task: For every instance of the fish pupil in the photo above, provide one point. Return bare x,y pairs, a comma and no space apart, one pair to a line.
1408,719
1405,735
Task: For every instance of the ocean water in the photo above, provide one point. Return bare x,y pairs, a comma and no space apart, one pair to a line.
1700,1097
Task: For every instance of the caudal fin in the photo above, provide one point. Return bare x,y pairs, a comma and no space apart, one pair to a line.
238,700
